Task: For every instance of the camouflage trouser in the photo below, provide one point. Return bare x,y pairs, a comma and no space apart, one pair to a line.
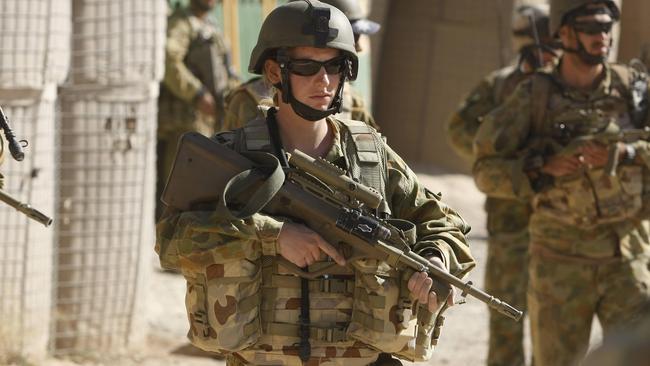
564,294
168,137
506,278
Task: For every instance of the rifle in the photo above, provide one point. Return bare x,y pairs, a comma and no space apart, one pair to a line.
208,175
14,147
25,208
610,136
17,153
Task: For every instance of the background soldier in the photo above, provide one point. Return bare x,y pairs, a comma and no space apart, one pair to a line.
251,99
558,141
507,219
241,296
197,73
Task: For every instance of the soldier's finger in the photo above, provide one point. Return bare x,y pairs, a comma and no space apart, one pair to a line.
418,281
425,290
433,302
332,252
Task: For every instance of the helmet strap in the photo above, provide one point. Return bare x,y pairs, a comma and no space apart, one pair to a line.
300,108
585,56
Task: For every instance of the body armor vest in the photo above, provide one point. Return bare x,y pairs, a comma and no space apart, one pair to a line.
353,315
590,196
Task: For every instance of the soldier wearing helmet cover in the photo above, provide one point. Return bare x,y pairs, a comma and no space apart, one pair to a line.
197,75
507,219
252,98
240,299
589,226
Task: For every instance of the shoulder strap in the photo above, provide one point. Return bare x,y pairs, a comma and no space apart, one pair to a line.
254,136
367,156
540,94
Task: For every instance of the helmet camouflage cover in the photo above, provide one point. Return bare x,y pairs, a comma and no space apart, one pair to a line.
304,23
528,20
561,8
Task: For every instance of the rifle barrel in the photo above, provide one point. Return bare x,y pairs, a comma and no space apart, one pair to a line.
26,209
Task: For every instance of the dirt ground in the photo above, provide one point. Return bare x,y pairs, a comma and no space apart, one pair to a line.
463,341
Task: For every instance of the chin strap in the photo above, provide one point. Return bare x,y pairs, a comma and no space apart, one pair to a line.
585,56
300,108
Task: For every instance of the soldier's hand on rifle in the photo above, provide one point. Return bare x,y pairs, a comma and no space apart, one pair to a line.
559,165
595,155
420,286
205,103
302,246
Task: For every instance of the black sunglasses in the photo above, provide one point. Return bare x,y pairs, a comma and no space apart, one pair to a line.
305,67
593,28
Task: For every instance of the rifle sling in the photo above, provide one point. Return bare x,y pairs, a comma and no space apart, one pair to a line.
246,179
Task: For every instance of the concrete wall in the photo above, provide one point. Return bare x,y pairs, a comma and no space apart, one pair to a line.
432,53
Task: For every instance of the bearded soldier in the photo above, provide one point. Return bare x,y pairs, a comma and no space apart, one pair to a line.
251,99
572,141
197,74
507,219
241,299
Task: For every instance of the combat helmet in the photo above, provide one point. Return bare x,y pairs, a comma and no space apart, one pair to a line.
308,23
565,12
530,33
562,9
358,18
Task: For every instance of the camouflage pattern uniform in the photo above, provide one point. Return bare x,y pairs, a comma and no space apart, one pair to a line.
507,221
258,321
249,100
589,231
196,62
629,346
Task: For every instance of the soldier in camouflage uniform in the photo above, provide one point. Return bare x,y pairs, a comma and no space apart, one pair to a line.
197,74
241,299
251,99
589,228
507,219
629,346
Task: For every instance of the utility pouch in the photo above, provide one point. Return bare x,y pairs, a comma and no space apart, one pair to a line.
223,291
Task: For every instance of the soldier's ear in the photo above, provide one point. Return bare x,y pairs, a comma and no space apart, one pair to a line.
567,35
272,71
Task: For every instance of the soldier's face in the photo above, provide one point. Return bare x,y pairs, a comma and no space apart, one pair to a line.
593,31
316,90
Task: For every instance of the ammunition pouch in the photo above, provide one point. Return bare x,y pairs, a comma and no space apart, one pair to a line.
384,316
593,197
223,291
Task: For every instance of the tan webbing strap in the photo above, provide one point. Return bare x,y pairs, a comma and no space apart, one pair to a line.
368,321
370,166
247,304
375,301
329,285
318,334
